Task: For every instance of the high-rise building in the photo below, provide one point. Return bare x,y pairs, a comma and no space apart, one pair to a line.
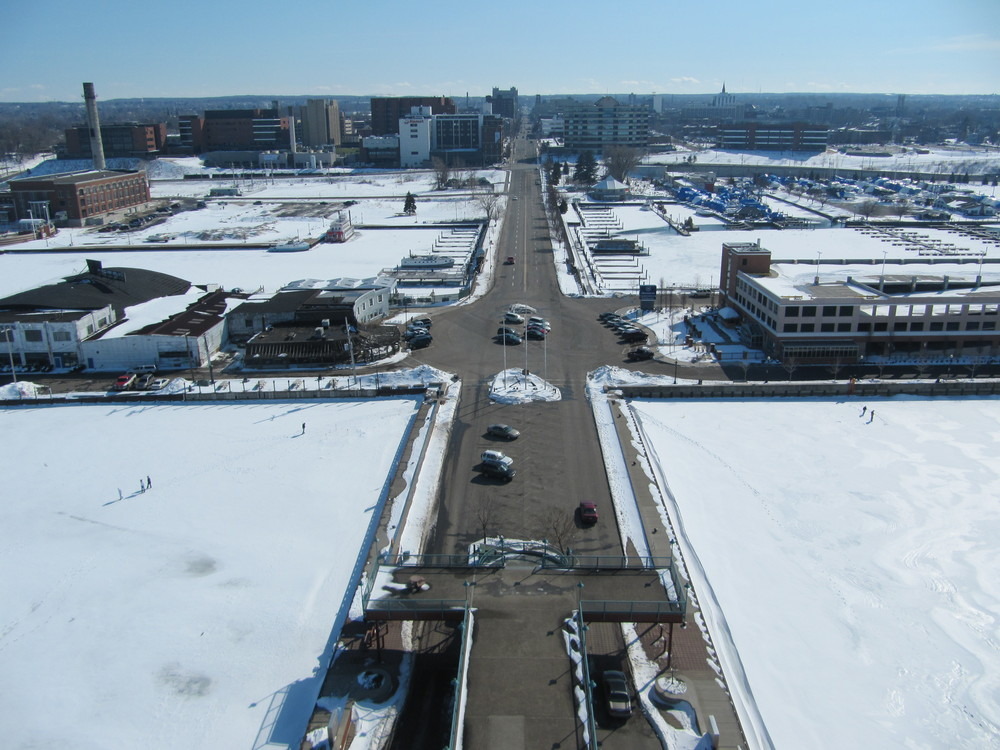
505,102
386,111
594,127
320,123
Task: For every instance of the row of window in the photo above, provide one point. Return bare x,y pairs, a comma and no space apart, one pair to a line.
899,326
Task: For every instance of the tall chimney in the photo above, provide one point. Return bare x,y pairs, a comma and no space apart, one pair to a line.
94,123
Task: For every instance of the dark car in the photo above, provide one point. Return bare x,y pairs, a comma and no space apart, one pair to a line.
503,431
421,340
640,353
588,513
509,338
634,334
616,693
503,472
535,334
606,316
504,330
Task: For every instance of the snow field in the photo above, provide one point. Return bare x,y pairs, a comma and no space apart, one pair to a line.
171,618
854,561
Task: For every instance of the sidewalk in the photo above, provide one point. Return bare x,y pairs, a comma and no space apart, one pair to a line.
692,653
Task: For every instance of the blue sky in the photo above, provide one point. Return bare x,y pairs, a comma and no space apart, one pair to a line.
132,48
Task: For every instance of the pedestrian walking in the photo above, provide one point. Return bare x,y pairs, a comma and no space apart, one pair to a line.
303,428
149,483
871,416
119,493
863,410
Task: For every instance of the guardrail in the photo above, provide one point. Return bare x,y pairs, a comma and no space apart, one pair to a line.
461,694
633,611
415,609
607,562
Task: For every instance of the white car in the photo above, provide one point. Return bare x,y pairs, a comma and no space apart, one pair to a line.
512,317
496,457
158,384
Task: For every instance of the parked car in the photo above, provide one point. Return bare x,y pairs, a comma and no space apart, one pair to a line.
158,384
125,382
411,333
503,330
540,322
588,512
616,693
640,353
419,342
512,317
140,369
503,431
535,334
496,457
142,381
634,335
497,471
606,316
509,339
421,323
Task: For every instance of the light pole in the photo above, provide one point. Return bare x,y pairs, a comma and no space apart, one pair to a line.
8,334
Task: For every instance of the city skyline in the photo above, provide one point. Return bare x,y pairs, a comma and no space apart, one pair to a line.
232,49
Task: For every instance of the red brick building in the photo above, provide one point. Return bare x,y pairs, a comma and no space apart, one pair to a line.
386,110
122,140
74,197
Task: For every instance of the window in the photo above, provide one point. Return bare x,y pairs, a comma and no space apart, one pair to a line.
826,327
30,335
843,327
972,326
899,325
916,326
60,336
864,327
808,328
881,326
989,325
937,326
952,325
846,311
791,312
829,310
791,328
809,311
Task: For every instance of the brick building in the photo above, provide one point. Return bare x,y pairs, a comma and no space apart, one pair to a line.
76,198
387,111
143,140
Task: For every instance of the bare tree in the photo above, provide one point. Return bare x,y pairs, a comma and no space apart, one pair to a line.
486,514
867,208
442,173
620,160
561,528
789,364
489,202
901,207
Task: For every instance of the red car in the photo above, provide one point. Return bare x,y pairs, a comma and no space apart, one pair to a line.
588,513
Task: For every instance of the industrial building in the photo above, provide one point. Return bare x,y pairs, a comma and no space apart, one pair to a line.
809,313
760,136
321,124
121,140
606,122
234,130
112,319
78,198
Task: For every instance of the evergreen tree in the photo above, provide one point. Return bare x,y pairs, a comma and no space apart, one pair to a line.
410,205
563,206
586,169
555,173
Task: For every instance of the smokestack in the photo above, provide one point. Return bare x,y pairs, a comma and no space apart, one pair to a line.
94,123
291,132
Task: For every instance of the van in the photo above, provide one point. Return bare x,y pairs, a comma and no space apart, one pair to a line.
141,369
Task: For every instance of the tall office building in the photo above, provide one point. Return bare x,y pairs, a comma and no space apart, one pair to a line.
321,123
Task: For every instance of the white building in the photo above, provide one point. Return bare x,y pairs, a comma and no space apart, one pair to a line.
416,137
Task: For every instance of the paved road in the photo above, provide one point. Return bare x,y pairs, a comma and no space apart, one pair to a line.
520,688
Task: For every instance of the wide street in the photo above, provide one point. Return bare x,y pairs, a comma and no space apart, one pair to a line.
520,683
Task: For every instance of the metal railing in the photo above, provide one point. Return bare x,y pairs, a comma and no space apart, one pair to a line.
458,708
606,562
623,610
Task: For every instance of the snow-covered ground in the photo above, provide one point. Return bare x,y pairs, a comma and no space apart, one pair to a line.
182,616
856,568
